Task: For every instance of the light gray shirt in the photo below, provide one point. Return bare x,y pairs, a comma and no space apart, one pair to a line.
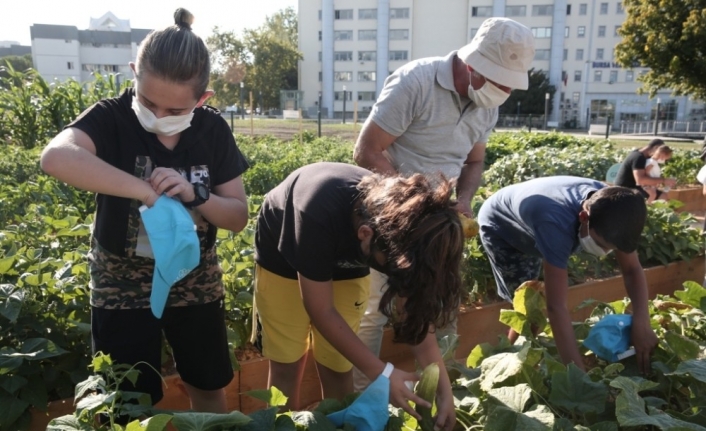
435,127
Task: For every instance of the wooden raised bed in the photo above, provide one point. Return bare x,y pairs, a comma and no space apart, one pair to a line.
692,198
475,325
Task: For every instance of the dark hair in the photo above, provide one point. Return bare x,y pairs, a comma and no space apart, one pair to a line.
176,54
663,149
656,142
618,215
414,218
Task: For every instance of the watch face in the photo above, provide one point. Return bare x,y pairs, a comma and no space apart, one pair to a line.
201,191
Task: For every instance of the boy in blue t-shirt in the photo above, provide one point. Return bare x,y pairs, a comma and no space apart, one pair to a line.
539,223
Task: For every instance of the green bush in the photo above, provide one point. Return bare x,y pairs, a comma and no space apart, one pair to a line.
507,143
683,165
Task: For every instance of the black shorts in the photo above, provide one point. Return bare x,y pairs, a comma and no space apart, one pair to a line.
196,334
646,195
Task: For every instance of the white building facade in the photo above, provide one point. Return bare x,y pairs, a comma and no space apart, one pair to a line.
355,44
63,52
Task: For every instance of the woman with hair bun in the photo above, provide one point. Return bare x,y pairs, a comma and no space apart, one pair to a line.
158,138
318,234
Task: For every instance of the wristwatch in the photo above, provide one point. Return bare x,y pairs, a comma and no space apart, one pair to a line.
201,195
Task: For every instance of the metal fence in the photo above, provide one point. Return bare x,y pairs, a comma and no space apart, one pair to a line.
672,128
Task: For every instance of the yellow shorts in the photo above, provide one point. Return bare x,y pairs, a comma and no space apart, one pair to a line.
282,328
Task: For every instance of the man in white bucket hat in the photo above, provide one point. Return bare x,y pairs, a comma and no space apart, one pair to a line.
435,115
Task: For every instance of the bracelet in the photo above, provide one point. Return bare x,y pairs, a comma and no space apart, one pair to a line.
388,370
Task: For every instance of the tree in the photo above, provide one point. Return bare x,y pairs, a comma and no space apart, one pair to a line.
265,59
668,37
532,99
18,62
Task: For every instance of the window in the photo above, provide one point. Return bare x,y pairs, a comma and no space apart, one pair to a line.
567,30
598,75
319,34
515,11
319,14
343,56
367,55
397,55
343,35
541,54
604,9
568,9
399,12
601,31
366,95
320,76
619,8
70,65
365,76
542,10
110,67
541,32
319,55
367,34
343,76
576,96
613,76
581,31
583,8
399,34
577,76
579,54
343,14
566,55
599,54
615,31
367,13
338,95
67,40
482,11
629,76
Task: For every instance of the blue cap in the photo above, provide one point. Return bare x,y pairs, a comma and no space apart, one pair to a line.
369,411
610,336
175,246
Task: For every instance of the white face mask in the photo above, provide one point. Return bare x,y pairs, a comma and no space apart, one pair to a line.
661,162
588,244
165,126
488,96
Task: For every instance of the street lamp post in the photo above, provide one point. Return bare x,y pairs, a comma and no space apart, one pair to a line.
656,126
242,108
319,114
519,103
344,104
117,82
546,109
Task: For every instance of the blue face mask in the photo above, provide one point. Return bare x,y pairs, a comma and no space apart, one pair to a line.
175,246
369,411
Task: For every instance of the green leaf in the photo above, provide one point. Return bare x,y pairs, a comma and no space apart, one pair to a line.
92,402
11,301
92,383
9,361
479,352
155,423
505,419
313,421
12,384
192,421
262,420
68,423
695,369
101,363
6,264
272,396
682,346
512,397
35,393
516,320
36,349
692,294
78,230
284,423
448,345
574,391
604,426
12,409
499,368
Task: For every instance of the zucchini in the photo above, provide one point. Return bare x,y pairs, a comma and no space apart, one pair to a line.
426,389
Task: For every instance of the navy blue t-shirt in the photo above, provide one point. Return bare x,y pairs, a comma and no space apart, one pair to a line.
539,217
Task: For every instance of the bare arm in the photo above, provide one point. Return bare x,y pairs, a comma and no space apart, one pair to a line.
369,148
318,302
427,352
643,337
470,178
71,157
642,179
556,285
226,208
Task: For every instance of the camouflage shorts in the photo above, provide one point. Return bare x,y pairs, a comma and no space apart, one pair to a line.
511,267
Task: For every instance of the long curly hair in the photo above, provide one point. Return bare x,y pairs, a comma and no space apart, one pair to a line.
418,229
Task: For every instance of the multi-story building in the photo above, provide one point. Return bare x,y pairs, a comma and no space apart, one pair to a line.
63,51
351,46
11,47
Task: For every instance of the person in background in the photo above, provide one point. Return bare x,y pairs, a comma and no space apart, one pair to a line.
318,233
435,115
632,171
158,138
653,170
535,226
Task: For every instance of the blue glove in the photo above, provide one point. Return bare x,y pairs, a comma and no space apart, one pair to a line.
369,411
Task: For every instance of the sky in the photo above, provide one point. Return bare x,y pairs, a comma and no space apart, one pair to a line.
226,14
